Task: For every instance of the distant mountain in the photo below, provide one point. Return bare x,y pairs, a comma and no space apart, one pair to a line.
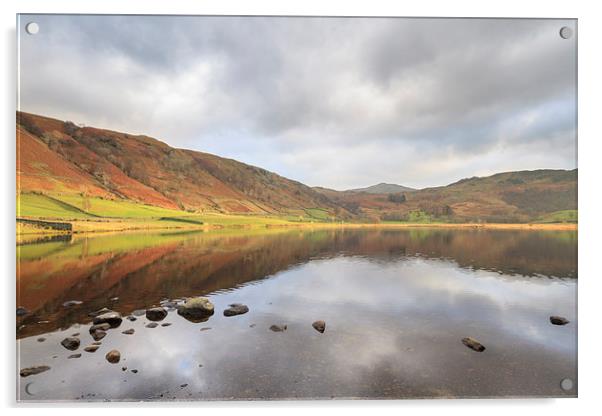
383,188
522,196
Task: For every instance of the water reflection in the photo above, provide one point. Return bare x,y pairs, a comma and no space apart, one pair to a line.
396,303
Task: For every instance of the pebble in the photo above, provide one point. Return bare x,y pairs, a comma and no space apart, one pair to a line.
113,356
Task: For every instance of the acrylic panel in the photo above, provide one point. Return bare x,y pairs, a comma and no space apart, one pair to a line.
270,208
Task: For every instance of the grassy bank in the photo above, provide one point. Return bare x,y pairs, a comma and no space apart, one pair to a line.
53,214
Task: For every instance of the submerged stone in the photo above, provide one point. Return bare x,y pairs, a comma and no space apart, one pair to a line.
70,303
278,328
98,334
30,371
113,356
112,318
71,343
236,309
558,320
473,344
156,314
319,326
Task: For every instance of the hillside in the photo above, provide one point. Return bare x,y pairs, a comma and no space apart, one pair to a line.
383,188
525,196
72,173
60,158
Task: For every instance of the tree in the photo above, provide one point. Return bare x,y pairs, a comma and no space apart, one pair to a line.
397,198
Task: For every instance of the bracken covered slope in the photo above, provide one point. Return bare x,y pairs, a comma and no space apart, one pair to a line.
57,157
521,196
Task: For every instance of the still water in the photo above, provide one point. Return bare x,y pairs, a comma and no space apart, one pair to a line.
396,303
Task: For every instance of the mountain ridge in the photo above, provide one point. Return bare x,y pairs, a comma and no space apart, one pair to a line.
57,157
383,188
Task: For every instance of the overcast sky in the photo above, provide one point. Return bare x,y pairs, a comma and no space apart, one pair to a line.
334,102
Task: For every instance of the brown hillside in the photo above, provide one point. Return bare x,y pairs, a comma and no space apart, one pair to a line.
505,197
146,170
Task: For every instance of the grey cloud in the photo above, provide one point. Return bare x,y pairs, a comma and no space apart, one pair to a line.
327,101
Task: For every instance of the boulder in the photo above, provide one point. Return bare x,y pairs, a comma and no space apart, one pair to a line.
74,356
41,339
152,325
166,324
91,348
319,326
30,371
473,344
128,331
558,320
113,356
112,318
156,314
71,343
236,309
197,309
132,318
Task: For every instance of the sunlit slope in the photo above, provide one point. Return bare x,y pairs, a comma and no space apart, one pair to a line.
143,170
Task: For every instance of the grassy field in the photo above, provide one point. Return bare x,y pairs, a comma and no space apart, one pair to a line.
102,215
569,215
96,214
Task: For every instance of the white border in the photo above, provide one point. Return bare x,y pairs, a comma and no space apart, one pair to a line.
590,203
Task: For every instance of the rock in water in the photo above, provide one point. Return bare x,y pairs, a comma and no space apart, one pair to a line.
152,325
30,371
99,312
72,303
139,312
98,334
132,318
278,328
166,324
41,339
473,344
197,309
558,320
128,331
74,356
156,314
112,318
236,309
103,327
71,343
113,356
319,326
91,348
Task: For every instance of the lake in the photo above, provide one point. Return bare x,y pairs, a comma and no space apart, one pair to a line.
396,302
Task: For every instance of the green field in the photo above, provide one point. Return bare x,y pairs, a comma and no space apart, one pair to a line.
569,215
96,214
41,206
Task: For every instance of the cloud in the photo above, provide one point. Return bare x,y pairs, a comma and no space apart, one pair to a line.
328,101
